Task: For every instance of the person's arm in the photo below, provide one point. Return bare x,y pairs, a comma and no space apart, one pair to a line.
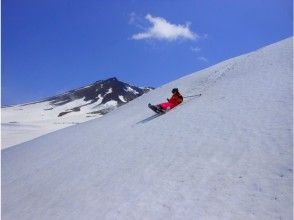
181,97
173,98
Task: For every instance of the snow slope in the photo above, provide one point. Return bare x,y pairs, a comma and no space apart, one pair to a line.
224,155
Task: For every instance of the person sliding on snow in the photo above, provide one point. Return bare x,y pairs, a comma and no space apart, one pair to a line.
175,100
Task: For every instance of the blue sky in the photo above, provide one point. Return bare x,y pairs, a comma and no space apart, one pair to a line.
52,46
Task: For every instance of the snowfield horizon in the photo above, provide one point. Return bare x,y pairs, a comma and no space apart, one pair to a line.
227,154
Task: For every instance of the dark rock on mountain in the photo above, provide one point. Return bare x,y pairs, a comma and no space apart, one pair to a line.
102,92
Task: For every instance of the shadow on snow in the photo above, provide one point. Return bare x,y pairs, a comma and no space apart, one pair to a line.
149,118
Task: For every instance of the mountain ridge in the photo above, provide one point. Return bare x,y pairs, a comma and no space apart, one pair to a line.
50,98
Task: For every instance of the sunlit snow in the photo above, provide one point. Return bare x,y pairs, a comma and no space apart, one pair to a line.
226,154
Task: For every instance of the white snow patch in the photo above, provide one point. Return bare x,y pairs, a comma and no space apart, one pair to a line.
37,119
111,103
129,89
122,98
100,99
108,91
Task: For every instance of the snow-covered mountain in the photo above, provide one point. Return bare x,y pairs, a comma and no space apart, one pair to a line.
105,94
227,154
24,122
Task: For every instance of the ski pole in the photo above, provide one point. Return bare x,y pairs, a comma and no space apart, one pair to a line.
192,96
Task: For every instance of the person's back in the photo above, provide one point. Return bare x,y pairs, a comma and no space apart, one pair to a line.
176,98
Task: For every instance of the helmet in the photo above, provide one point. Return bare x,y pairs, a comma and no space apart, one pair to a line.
175,90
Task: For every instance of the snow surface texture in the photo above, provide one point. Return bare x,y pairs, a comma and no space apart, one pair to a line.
224,155
24,123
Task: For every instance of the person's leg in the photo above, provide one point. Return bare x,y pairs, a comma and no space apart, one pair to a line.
166,106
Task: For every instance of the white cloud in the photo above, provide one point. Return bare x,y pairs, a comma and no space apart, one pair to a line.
203,59
163,30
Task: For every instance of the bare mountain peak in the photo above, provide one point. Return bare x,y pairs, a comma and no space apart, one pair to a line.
100,94
99,97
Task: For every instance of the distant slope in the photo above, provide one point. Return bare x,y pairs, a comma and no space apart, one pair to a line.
224,155
25,122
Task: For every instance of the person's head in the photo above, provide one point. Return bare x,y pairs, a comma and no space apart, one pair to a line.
175,90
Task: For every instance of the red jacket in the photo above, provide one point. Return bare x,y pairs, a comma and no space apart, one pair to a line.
176,99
